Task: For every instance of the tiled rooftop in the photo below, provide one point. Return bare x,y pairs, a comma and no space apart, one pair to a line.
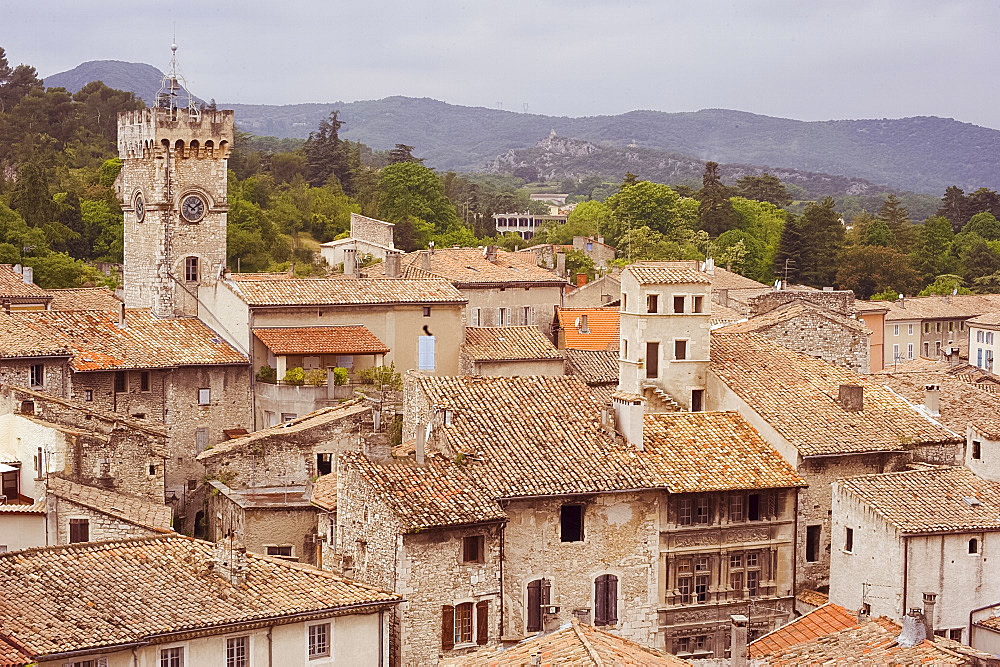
468,267
97,342
660,273
18,340
930,500
987,320
344,291
726,279
95,594
817,623
814,598
142,512
439,493
13,287
791,311
959,306
324,493
798,396
508,344
594,367
83,298
601,332
723,315
993,623
320,340
573,644
37,507
692,452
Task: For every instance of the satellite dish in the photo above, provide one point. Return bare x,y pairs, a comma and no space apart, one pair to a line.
576,324
900,296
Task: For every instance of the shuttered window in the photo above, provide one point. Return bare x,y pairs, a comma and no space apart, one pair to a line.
79,530
538,596
482,622
606,600
425,353
447,627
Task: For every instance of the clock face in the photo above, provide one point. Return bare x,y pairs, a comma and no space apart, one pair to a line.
140,208
193,208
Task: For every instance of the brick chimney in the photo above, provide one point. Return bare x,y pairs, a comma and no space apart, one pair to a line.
738,640
932,399
581,279
852,397
930,599
392,265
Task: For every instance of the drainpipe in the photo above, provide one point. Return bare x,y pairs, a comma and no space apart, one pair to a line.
269,646
500,602
381,637
795,551
906,554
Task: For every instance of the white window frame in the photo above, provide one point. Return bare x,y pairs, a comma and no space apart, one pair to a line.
895,351
329,641
475,315
249,656
503,316
909,350
426,353
684,309
37,379
204,396
895,329
169,647
909,329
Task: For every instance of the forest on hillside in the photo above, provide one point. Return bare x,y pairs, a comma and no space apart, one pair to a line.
59,213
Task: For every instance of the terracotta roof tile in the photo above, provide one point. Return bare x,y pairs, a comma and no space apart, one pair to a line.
141,512
439,493
12,656
791,311
507,344
13,287
98,343
993,622
798,396
18,340
959,306
83,298
814,598
931,500
819,622
723,315
595,367
573,644
344,291
658,273
467,267
37,507
320,340
324,493
602,328
960,402
96,594
726,279
988,320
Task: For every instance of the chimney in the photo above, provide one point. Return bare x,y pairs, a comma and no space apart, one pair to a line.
425,260
351,262
392,265
932,401
581,279
561,264
583,327
600,239
738,640
490,253
629,412
864,613
930,599
291,269
121,323
852,397
421,443
914,631
28,275
723,297
902,301
231,561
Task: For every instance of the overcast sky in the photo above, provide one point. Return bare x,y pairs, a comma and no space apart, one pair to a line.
796,59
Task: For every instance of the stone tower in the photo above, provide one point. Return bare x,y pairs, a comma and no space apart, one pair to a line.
173,184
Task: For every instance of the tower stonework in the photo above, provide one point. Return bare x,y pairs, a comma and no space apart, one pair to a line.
173,177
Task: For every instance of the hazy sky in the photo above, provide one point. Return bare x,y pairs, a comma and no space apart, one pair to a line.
797,59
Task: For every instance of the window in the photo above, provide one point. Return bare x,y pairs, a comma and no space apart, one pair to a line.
425,353
701,587
895,330
538,596
143,380
503,317
191,269
606,600
571,523
678,304
88,394
172,657
736,507
204,396
697,400
977,449
280,551
201,439
909,329
474,317
951,326
121,382
849,540
526,318
955,634
736,583
79,530
624,348
680,349
684,511
288,416
10,484
472,549
961,325
937,327
98,662
909,350
812,543
753,583
427,311
37,375
895,351
753,507
319,640
973,546
192,484
624,302
699,304
979,357
979,336
652,360
937,348
39,465
684,582
463,623
701,509
652,303
237,652
927,349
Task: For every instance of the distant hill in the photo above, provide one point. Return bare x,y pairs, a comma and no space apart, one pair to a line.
923,154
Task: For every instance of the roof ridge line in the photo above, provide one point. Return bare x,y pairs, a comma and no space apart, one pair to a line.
586,644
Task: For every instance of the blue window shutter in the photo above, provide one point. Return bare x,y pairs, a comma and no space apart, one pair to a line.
425,353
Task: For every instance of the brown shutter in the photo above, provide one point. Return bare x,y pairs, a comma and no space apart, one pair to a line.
447,627
534,606
601,600
612,599
482,622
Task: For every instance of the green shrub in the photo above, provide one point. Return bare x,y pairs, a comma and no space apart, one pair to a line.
267,374
382,377
339,376
295,376
315,377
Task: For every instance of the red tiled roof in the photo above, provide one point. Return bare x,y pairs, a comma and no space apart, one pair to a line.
467,267
508,344
324,493
602,328
815,598
819,622
321,340
658,273
344,291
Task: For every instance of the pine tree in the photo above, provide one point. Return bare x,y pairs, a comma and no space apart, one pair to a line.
822,241
788,258
954,207
715,214
326,154
895,216
402,153
879,234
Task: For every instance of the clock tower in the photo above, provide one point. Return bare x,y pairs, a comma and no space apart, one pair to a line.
173,188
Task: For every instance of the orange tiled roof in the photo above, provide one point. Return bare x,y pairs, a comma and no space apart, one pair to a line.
602,328
324,493
798,396
320,340
508,344
659,273
952,499
817,623
98,343
18,340
344,291
993,623
814,598
142,512
468,267
12,656
83,298
573,644
97,594
13,287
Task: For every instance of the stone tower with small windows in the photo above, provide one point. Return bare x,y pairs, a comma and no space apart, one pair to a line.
173,188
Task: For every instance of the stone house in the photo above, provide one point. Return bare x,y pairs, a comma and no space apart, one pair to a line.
927,532
595,249
80,513
18,290
503,288
934,324
602,291
508,351
368,236
419,321
130,601
324,499
654,536
588,329
984,337
275,520
827,421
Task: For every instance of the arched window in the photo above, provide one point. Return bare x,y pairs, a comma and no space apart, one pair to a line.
179,148
193,148
606,600
973,546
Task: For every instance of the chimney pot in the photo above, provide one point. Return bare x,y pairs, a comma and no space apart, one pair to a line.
629,413
852,397
392,265
491,253
930,599
351,262
932,399
914,630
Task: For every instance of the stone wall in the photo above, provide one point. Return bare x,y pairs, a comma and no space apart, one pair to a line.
56,374
260,527
541,302
371,230
841,301
817,336
101,526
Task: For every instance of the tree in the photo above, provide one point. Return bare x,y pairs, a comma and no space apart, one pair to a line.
945,284
644,203
98,107
412,196
577,262
402,153
984,225
30,196
715,213
742,253
788,258
870,269
933,256
766,188
984,200
894,214
879,234
822,240
15,83
326,154
954,207
980,260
